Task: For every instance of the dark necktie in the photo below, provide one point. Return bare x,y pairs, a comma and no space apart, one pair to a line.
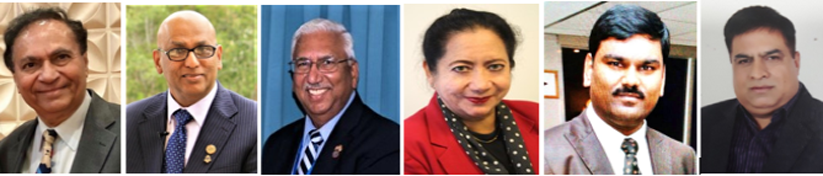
49,136
176,147
630,148
310,154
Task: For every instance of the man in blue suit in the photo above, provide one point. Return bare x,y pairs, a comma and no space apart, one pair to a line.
197,126
339,133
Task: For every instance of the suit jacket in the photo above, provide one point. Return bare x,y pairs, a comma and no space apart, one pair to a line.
231,126
98,151
370,143
430,147
573,148
798,148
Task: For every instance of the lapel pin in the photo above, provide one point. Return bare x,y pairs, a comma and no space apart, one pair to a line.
207,159
337,150
210,149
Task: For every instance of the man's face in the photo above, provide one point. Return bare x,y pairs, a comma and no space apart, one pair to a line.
323,94
192,78
765,70
626,79
50,72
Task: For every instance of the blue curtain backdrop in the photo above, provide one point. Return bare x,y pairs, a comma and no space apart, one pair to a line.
376,33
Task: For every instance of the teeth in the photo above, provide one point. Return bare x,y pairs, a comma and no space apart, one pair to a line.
317,92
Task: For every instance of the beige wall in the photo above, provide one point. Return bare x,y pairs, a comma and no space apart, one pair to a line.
102,20
525,76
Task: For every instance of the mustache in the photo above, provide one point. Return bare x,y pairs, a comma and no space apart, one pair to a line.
622,90
308,86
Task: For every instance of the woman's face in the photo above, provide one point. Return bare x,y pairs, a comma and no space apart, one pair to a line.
473,75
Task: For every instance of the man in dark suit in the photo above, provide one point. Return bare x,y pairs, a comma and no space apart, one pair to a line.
76,131
198,126
626,75
340,134
773,124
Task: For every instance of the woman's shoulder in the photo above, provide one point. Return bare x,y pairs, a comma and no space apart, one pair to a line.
530,110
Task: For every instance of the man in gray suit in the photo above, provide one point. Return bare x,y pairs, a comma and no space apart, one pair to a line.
76,131
197,126
626,76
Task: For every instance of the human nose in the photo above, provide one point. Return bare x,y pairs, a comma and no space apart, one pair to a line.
49,73
191,60
313,75
630,77
759,70
480,82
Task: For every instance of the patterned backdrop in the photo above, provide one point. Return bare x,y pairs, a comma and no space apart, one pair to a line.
102,20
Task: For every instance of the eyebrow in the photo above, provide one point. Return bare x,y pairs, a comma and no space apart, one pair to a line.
774,51
56,52
621,59
183,44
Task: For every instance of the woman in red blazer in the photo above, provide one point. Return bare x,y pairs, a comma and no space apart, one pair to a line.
468,128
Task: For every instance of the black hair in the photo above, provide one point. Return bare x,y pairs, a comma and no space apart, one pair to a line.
20,22
757,17
623,21
439,33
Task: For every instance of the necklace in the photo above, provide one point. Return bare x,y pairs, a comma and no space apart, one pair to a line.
496,134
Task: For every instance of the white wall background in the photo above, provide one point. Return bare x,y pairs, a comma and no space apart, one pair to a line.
715,70
417,18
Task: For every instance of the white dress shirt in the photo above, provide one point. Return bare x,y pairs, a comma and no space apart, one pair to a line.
198,111
611,141
64,146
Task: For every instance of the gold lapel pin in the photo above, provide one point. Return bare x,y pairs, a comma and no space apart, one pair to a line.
210,149
337,150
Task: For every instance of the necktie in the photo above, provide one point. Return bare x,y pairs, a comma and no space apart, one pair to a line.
630,148
310,154
176,148
48,143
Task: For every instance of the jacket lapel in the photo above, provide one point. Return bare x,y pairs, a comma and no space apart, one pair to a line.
718,144
450,155
216,130
582,138
660,154
21,148
794,135
150,130
97,140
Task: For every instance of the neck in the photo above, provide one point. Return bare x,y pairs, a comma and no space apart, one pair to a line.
54,120
319,120
483,125
186,101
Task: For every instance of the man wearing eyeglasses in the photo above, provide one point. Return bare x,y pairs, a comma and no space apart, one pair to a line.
197,126
339,133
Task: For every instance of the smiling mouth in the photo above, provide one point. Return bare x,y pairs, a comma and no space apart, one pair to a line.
51,90
478,100
317,91
761,88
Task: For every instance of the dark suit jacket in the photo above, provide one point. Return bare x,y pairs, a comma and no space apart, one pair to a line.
798,149
370,142
231,126
573,148
99,148
431,148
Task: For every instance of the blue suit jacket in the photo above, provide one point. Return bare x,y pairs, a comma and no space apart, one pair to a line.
231,126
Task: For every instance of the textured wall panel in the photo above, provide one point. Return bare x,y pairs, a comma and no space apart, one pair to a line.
102,20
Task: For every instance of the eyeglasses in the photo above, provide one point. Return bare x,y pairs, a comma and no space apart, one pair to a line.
201,52
302,66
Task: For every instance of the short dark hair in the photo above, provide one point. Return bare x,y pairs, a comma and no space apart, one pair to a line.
757,17
20,22
439,33
623,21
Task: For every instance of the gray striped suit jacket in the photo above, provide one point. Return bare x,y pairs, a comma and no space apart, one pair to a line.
573,148
231,126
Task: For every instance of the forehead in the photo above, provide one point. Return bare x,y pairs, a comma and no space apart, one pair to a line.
757,41
478,43
45,34
634,47
187,32
320,42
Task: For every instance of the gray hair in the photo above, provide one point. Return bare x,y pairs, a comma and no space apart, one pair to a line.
320,24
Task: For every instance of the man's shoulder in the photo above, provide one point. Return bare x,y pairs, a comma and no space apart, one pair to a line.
677,148
141,105
723,106
21,130
241,101
290,131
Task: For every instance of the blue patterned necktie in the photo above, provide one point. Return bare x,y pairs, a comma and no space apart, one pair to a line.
310,154
49,136
176,147
630,148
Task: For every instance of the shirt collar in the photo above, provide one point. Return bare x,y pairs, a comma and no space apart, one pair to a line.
198,110
605,132
70,130
326,129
